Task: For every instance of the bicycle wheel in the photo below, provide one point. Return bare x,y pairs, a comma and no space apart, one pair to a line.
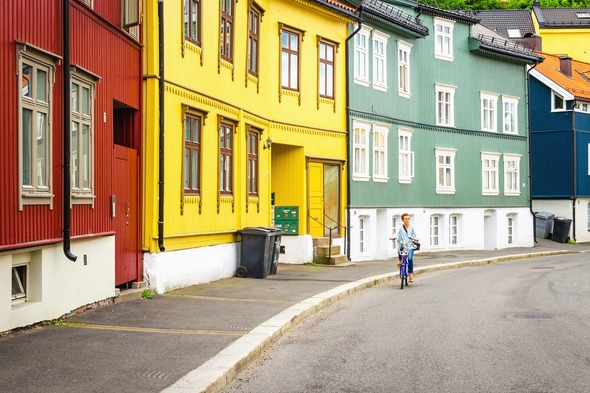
402,272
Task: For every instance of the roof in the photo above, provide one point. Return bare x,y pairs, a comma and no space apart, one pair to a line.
490,43
513,24
562,17
456,15
340,7
387,13
578,84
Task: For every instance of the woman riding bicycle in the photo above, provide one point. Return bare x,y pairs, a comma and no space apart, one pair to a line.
406,235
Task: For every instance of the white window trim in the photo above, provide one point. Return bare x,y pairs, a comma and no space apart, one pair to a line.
510,228
450,189
494,188
553,108
458,227
379,129
403,46
583,107
405,155
360,77
516,158
438,226
510,100
440,88
492,98
363,175
380,38
437,53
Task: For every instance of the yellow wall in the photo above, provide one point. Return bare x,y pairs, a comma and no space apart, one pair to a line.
300,126
571,42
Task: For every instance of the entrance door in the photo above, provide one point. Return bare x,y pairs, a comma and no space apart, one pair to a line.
125,222
324,198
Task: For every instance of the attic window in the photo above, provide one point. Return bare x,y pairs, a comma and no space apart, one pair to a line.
583,15
513,33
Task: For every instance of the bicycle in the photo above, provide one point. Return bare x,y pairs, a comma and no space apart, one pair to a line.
403,264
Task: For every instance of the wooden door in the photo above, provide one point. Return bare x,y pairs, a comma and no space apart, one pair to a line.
315,179
125,188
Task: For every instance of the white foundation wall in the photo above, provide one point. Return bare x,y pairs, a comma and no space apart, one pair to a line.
563,208
478,229
171,270
55,285
297,249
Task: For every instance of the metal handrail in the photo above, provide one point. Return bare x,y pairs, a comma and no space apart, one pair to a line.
338,225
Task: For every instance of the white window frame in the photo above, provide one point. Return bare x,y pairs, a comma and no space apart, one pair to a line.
443,39
405,156
489,111
20,293
435,230
510,115
361,56
554,107
444,105
403,69
445,184
131,15
379,45
490,173
454,221
361,131
510,232
362,233
380,133
394,224
582,107
512,174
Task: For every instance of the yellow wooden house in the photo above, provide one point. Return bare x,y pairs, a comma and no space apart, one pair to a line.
245,111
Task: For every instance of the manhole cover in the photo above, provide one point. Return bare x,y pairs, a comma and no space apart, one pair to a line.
530,315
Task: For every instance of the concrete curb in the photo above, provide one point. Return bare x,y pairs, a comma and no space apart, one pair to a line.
219,371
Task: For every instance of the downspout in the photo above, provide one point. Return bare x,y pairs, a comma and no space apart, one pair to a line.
348,171
161,142
528,104
574,195
66,134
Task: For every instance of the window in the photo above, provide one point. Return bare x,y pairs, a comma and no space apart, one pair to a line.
82,139
394,230
583,15
453,229
489,103
326,79
19,283
557,102
252,175
36,78
513,33
290,59
510,228
227,30
445,105
588,159
380,61
380,153
132,17
253,40
490,173
361,151
192,20
361,57
192,153
403,68
225,158
362,230
582,107
510,115
445,171
89,3
512,174
434,230
443,39
588,207
405,156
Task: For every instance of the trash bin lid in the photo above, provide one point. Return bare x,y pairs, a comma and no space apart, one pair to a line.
562,219
545,215
261,231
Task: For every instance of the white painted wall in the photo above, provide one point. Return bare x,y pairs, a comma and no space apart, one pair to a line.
563,208
298,249
57,285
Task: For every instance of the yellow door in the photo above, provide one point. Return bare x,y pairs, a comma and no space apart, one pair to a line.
315,178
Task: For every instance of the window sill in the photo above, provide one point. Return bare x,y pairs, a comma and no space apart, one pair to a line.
447,192
380,179
23,305
490,193
360,178
404,94
380,87
444,57
404,181
512,193
362,82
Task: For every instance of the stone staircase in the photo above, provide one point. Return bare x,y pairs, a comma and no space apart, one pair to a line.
324,256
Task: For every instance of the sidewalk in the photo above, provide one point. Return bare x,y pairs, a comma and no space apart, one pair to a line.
198,338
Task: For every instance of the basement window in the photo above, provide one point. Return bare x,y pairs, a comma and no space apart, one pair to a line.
19,284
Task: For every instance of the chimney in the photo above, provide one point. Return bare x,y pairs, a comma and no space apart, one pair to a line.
532,41
565,65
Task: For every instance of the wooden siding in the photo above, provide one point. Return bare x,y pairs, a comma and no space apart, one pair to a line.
92,44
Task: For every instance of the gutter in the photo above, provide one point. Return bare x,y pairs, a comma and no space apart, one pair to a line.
348,170
574,164
161,141
67,89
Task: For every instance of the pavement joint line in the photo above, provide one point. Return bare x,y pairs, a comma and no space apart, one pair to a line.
83,325
233,299
214,375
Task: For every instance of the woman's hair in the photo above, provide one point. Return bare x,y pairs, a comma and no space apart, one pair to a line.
405,214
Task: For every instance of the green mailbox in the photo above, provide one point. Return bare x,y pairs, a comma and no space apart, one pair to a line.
287,219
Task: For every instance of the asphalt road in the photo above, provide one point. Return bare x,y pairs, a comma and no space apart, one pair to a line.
521,326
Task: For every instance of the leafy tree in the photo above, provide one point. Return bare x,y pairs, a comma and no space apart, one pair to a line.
503,4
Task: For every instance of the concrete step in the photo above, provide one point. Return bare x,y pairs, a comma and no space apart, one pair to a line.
325,251
338,259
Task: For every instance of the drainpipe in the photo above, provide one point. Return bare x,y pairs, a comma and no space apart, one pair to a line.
161,144
574,195
348,171
528,104
66,134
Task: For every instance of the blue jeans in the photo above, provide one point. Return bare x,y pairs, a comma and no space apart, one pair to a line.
410,260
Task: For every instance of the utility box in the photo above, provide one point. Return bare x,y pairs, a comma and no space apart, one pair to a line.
543,224
287,219
561,229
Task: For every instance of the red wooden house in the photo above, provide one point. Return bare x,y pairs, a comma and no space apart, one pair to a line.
70,148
